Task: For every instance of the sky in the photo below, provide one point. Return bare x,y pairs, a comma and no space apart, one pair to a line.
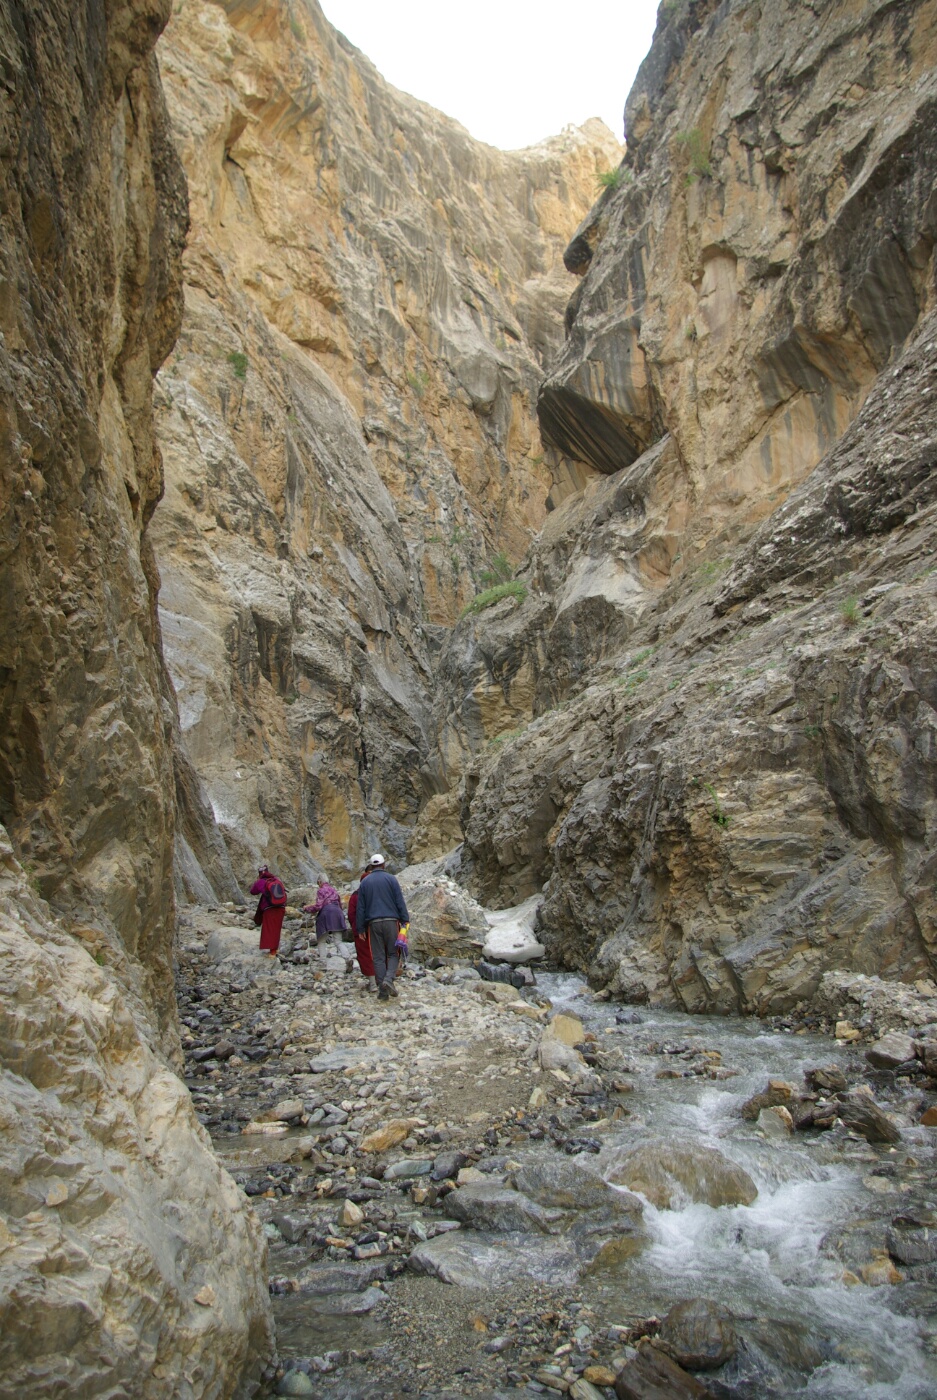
511,71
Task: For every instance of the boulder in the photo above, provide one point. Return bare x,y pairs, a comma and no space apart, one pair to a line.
827,1079
777,1092
697,1335
776,1122
892,1050
482,1260
862,1114
488,1206
652,1375
568,1029
445,921
670,1175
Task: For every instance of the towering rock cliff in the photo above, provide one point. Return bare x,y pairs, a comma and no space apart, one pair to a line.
347,421
725,782
114,1212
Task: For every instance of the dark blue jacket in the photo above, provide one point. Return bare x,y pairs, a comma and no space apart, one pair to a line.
380,897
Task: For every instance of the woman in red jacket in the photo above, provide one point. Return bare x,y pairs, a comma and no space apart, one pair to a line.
270,909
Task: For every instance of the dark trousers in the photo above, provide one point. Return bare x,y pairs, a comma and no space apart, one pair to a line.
383,937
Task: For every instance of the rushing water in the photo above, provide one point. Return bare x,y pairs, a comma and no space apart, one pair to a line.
766,1262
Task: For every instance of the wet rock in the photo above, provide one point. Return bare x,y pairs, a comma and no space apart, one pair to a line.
347,1304
880,1272
475,1260
892,1050
862,1114
486,1206
295,1383
668,1174
286,1111
828,1079
911,1245
697,1335
776,1122
652,1375
342,1278
291,1227
409,1166
777,1092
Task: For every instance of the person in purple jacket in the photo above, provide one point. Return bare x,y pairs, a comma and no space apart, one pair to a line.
330,917
380,912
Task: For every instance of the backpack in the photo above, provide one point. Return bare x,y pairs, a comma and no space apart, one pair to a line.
276,893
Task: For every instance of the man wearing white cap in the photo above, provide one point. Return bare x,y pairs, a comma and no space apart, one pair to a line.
380,912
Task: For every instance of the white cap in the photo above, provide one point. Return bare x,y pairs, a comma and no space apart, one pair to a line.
376,860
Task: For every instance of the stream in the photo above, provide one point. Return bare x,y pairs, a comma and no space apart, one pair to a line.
766,1260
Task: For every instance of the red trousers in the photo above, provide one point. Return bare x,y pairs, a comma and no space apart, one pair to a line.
363,954
270,930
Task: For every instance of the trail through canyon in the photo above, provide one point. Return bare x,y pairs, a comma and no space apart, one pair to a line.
437,1203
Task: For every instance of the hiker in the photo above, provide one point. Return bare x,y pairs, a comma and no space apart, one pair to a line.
330,917
270,909
362,948
380,911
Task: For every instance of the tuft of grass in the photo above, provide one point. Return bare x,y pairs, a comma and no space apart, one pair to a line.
697,150
498,571
490,596
849,612
419,382
613,179
719,816
238,362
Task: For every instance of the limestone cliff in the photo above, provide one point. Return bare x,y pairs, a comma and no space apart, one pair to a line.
726,786
114,1214
347,420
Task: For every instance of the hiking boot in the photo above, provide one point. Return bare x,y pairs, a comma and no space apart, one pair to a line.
384,993
372,984
391,988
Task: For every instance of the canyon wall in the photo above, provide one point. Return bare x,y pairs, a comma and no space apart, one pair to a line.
347,421
722,778
114,1213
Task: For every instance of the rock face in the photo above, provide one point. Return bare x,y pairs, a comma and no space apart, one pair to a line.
125,1246
125,1249
347,422
709,738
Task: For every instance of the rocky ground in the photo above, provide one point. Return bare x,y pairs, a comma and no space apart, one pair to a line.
432,1173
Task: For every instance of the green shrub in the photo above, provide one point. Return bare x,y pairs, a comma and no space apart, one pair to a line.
515,589
613,179
699,155
418,381
238,362
720,817
498,571
849,612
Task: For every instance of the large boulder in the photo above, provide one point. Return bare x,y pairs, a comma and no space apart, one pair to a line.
481,1260
445,921
697,1335
671,1176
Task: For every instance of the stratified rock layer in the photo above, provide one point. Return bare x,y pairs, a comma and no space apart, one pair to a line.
347,422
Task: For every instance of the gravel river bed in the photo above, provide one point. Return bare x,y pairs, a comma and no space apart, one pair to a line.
475,1190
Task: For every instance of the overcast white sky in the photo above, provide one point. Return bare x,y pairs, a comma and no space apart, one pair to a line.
512,71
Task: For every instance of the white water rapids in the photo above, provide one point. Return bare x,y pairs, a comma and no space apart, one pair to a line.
766,1263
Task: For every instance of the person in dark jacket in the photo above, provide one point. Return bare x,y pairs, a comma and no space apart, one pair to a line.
380,912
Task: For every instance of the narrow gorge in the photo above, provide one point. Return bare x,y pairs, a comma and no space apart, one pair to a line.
561,523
